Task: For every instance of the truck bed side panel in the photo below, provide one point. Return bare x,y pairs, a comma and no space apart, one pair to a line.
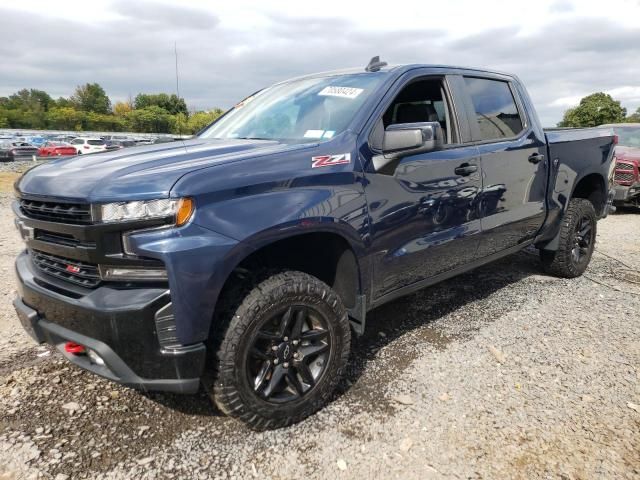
574,154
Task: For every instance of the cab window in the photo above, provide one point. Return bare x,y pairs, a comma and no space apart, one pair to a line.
495,108
424,100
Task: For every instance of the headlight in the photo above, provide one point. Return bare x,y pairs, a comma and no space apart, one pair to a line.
180,210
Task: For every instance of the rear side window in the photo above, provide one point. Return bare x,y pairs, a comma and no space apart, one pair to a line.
495,108
95,142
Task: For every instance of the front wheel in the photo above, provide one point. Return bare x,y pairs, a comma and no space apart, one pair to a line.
282,352
577,241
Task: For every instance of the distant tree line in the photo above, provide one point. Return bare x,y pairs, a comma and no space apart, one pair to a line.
89,108
598,109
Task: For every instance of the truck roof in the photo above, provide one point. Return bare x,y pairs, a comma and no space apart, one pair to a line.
398,69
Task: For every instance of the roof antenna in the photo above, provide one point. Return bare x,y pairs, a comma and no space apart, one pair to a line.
375,64
175,51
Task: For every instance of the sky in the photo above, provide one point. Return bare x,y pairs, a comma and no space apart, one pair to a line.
561,49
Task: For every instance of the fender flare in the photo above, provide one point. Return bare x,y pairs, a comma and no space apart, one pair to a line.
289,230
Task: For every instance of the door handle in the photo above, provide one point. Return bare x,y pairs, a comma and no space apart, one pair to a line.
536,158
465,169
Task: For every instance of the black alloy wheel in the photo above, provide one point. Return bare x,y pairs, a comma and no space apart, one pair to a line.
582,239
576,241
289,354
282,346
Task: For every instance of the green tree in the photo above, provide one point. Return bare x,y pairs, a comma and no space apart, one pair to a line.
171,103
634,117
199,120
4,120
30,99
101,121
179,124
152,119
593,110
27,108
65,118
91,97
63,102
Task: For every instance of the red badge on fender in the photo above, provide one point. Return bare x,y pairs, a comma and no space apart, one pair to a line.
329,160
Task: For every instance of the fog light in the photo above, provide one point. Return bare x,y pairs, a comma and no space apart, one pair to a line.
136,274
95,358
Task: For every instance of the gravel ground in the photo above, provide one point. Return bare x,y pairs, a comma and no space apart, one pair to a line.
500,373
20,166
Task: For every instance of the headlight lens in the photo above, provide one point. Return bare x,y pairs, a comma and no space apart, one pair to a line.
179,209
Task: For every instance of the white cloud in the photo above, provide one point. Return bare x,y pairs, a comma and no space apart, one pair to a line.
561,49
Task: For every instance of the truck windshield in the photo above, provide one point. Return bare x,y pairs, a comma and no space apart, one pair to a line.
628,136
307,110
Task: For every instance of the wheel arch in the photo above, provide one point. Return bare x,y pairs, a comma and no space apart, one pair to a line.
592,187
331,253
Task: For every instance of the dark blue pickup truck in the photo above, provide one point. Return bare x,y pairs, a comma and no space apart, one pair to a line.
244,259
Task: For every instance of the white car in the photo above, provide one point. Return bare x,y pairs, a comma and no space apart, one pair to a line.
89,145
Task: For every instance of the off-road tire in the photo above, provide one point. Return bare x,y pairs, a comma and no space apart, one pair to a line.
231,389
561,263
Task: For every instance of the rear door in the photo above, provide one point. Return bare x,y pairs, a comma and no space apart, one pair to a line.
511,203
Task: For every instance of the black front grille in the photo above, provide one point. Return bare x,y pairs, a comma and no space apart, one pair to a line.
62,239
80,273
624,177
76,213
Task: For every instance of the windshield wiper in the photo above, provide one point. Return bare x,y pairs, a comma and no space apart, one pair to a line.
252,138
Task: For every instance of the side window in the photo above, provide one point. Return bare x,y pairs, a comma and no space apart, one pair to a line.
495,108
421,101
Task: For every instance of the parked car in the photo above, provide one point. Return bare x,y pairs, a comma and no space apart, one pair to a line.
118,144
246,258
115,137
56,149
64,138
162,140
89,145
17,151
36,140
627,161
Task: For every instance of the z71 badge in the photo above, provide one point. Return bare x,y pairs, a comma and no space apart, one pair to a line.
329,160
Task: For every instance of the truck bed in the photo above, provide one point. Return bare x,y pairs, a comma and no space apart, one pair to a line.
574,151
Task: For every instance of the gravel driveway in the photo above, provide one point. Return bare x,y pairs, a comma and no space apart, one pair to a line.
500,373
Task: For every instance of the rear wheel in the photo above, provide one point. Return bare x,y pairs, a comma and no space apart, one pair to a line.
282,352
577,241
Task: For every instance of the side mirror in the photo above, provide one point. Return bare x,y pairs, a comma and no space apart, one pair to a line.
422,136
404,139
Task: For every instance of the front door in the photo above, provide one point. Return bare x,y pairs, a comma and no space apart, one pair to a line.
423,209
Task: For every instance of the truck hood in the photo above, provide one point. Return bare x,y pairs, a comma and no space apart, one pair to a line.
627,153
138,173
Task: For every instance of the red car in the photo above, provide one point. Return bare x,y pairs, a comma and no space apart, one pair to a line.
56,149
627,157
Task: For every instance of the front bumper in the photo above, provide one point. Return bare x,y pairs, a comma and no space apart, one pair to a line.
118,324
626,194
